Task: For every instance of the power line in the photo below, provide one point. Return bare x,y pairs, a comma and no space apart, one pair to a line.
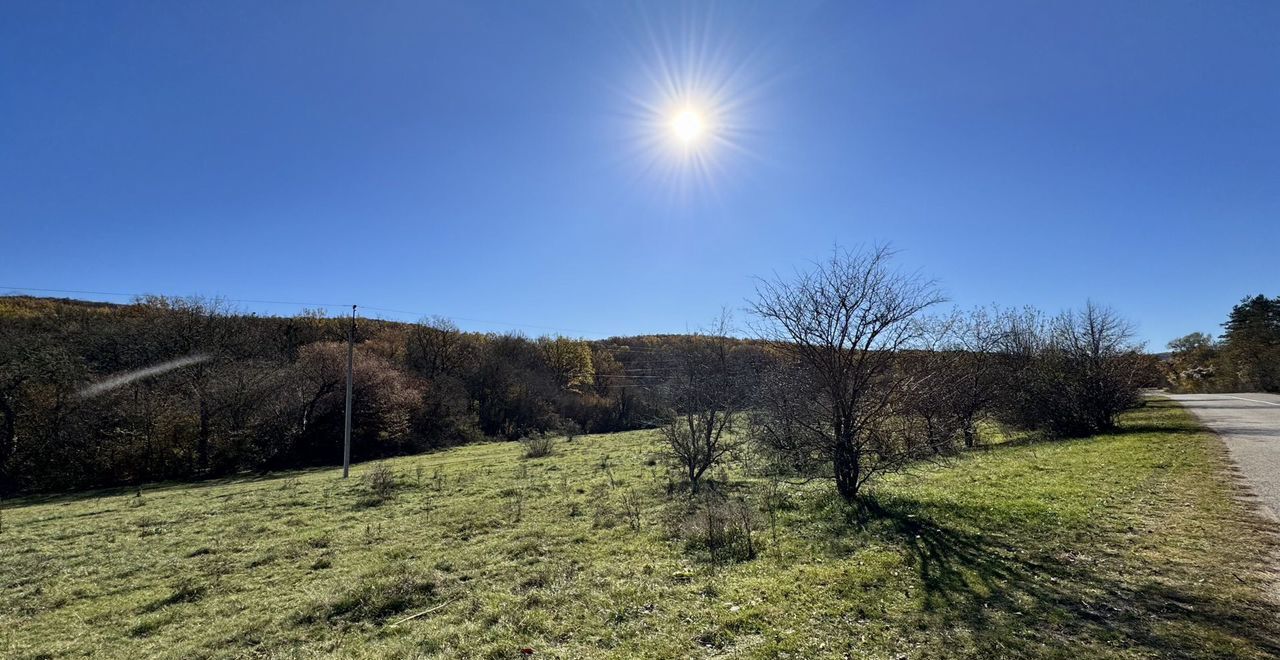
143,295
473,320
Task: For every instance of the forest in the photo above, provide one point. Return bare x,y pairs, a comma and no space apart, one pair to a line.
268,392
850,374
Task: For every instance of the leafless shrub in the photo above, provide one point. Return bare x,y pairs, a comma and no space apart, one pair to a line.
380,483
519,492
603,514
538,445
607,468
703,396
570,430
1071,375
631,507
722,528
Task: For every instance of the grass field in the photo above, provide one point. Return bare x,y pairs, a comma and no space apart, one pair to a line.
1126,545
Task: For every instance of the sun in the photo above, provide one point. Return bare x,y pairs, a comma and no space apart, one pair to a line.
688,125
691,105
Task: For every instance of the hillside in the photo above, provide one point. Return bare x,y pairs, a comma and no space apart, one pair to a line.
262,393
1124,545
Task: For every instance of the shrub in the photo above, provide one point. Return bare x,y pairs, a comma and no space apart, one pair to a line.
723,529
537,445
380,482
631,508
1072,375
570,430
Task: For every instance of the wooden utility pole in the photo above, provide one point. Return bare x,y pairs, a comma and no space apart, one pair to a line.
346,432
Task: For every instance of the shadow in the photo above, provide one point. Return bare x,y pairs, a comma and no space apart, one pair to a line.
150,488
1143,427
1046,439
1020,441
1016,600
1128,425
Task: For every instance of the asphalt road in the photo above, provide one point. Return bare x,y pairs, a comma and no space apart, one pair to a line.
1250,426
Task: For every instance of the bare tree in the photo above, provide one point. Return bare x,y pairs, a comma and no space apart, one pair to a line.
1098,348
959,375
704,398
840,328
930,403
1070,375
981,376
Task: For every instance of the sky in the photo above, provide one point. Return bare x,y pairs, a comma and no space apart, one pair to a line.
511,165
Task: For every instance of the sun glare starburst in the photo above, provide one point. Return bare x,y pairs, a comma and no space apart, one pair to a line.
689,104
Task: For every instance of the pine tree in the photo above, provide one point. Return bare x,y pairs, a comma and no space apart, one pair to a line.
1251,343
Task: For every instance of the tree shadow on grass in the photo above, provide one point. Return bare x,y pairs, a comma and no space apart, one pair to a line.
1136,423
1023,602
1143,428
158,487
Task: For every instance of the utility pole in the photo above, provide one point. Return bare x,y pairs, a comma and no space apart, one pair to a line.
346,432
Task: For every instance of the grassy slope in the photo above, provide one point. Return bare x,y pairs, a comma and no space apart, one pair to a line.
1128,545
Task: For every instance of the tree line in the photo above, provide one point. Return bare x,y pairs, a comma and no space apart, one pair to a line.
849,371
860,377
264,393
1245,358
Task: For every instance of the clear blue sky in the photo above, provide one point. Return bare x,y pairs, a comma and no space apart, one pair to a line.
509,160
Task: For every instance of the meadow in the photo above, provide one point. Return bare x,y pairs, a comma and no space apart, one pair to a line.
1126,545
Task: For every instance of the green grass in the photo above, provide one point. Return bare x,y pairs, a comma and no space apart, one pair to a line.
1126,545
